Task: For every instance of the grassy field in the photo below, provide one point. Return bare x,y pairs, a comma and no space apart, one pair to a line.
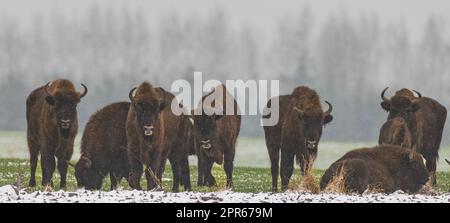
252,173
246,179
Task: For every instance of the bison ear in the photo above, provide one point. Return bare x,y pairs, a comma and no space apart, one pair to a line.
414,107
50,100
327,119
386,106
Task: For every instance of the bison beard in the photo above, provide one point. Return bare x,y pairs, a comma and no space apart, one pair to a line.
386,168
395,132
215,135
51,128
425,119
152,136
297,133
103,148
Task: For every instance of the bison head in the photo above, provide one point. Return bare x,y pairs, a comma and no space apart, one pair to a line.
148,105
86,175
402,104
205,133
312,122
64,103
412,172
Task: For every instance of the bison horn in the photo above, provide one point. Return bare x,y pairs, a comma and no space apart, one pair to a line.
85,90
446,160
419,95
383,97
330,108
130,95
46,88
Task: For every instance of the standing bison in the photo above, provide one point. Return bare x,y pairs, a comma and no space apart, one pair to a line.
297,133
103,148
425,119
52,125
385,168
152,136
395,132
215,132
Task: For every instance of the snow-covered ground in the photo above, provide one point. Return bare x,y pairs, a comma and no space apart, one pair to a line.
9,194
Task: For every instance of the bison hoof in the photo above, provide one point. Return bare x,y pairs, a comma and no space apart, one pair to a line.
230,185
32,183
274,190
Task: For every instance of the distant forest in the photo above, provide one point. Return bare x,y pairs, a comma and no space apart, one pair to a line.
347,59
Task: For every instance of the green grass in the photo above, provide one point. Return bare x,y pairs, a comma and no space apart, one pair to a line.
246,179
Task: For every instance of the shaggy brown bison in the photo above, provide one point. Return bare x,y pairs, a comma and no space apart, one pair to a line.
297,133
385,168
52,125
395,132
103,148
152,136
425,119
215,134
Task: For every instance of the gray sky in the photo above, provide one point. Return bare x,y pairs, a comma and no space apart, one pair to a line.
261,14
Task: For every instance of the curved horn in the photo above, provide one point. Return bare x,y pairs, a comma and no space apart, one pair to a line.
446,160
330,108
383,97
418,94
130,95
85,91
46,88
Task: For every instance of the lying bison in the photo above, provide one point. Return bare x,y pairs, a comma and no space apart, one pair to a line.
52,125
103,148
395,132
425,119
297,133
152,136
385,168
215,133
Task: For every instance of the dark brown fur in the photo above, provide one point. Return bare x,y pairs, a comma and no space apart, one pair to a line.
425,119
103,148
151,108
386,168
220,133
51,128
395,132
301,119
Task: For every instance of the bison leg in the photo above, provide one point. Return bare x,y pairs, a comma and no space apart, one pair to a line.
62,169
287,168
48,164
113,179
134,180
209,178
185,174
228,166
274,154
201,172
431,166
176,174
34,153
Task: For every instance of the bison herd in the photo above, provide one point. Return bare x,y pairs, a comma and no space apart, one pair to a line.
135,138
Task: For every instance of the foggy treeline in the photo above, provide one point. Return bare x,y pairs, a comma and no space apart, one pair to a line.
347,59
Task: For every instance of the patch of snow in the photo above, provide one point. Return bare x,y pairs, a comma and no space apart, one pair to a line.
8,195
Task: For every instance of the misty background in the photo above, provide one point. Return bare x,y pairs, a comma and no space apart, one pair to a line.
347,50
